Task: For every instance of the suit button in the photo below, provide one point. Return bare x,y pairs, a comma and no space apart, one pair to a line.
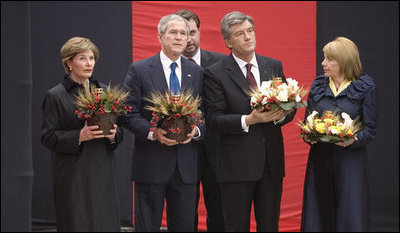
99,163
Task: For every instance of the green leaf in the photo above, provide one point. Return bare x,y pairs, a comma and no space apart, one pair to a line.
107,107
287,106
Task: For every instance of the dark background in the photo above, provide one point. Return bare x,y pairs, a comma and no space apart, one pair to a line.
32,34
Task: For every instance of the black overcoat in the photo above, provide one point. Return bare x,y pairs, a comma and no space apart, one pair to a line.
84,176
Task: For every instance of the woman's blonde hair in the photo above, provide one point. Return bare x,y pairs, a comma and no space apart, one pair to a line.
74,46
345,52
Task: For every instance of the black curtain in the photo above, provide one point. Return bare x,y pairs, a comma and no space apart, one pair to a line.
374,27
32,34
16,112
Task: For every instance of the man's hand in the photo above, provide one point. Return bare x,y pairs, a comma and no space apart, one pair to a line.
190,136
159,136
258,116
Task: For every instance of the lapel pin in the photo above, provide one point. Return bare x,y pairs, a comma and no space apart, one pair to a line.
189,75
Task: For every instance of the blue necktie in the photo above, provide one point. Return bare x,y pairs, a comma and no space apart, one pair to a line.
174,86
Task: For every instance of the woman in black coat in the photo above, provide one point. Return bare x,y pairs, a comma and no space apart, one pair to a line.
83,162
336,183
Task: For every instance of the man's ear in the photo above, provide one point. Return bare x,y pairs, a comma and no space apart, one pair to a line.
160,37
228,44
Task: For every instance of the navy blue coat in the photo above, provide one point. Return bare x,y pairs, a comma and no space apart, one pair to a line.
335,185
152,161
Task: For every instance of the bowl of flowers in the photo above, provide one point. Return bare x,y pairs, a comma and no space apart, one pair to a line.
176,114
275,94
330,128
101,107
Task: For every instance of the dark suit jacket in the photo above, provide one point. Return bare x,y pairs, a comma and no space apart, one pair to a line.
154,162
209,58
211,140
243,156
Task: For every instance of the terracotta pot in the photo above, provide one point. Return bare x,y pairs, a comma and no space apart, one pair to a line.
175,123
104,121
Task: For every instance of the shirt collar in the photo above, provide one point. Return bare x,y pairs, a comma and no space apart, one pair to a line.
343,86
242,64
166,62
70,84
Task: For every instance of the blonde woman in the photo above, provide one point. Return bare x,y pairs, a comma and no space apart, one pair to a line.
335,185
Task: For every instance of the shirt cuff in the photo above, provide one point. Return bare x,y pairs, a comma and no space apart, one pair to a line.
280,121
245,127
151,136
198,135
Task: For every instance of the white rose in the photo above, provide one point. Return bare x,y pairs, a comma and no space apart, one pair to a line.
283,96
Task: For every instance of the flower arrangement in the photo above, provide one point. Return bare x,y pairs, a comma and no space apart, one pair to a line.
177,114
101,108
275,94
98,101
330,128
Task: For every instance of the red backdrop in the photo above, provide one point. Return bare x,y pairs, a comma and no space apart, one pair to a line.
285,31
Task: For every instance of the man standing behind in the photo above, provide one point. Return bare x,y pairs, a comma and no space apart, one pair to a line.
162,168
251,158
208,146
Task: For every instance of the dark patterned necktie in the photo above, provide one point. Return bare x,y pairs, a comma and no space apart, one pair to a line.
250,77
192,60
174,86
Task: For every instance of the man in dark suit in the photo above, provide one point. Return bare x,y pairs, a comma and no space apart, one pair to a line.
163,168
251,157
207,147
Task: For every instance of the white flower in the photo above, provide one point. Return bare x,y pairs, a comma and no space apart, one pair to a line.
298,98
283,87
265,85
292,82
253,99
283,96
347,120
264,101
268,93
334,130
311,117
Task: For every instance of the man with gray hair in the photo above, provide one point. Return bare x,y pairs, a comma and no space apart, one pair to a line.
163,169
251,159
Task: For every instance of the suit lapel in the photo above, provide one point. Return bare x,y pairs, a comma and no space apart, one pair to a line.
235,73
157,75
265,70
205,59
187,77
